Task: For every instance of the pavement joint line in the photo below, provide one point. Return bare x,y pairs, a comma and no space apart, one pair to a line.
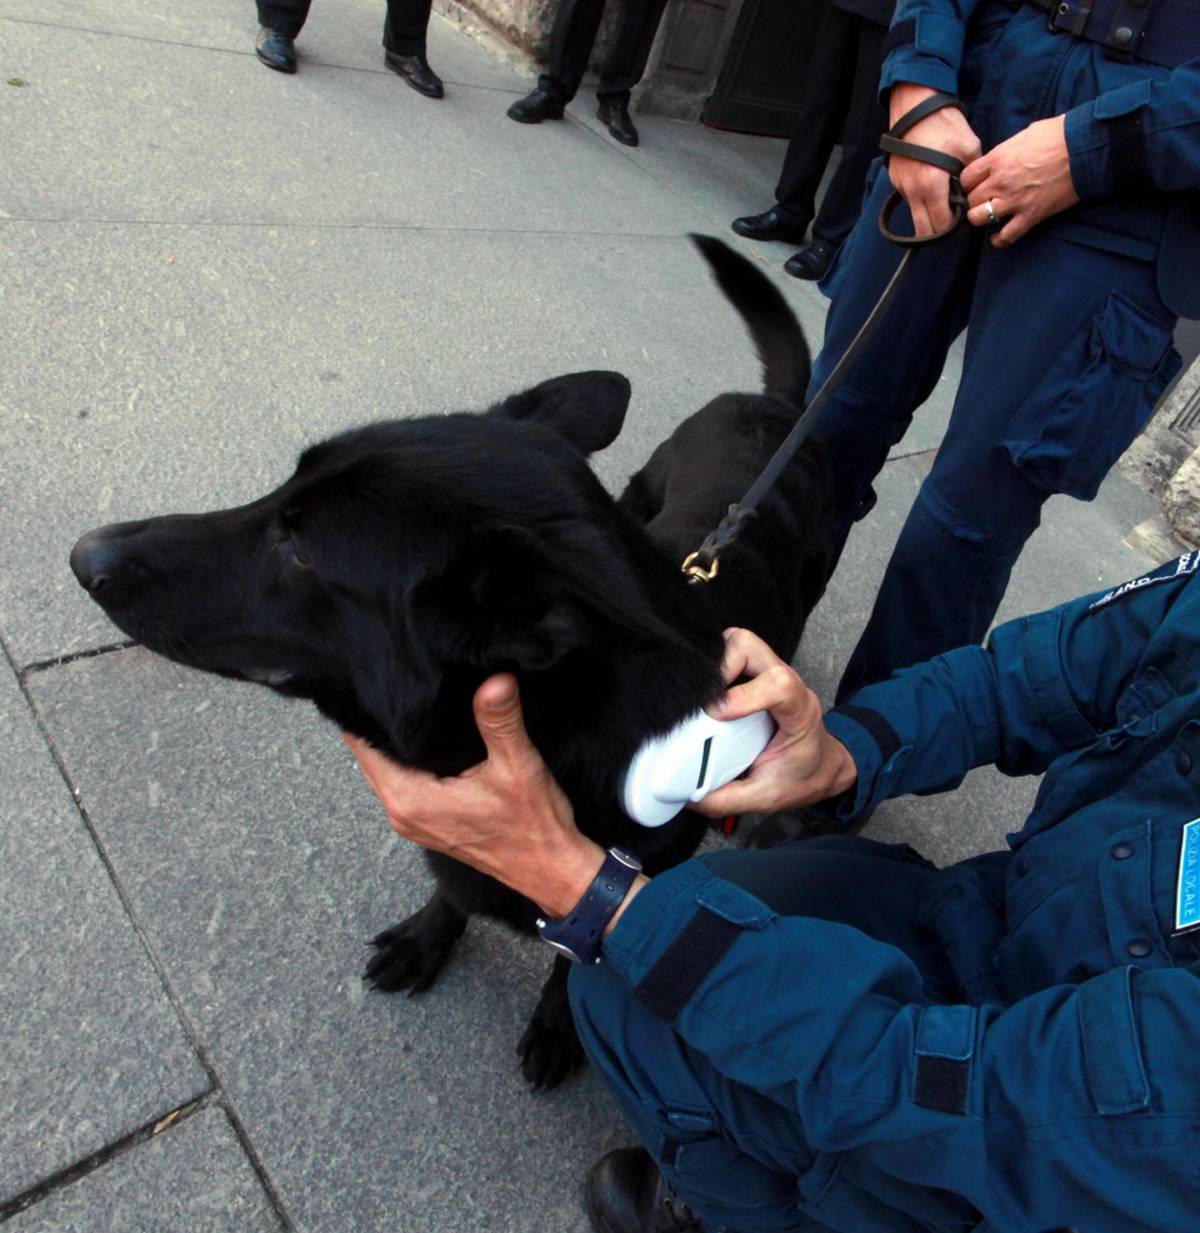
158,1124
933,449
189,1029
231,51
60,661
292,225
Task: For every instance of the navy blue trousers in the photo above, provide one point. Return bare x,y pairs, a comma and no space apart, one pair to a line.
1068,348
734,1155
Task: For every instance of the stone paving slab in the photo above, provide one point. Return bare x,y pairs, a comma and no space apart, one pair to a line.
90,1047
191,1177
260,863
342,34
169,146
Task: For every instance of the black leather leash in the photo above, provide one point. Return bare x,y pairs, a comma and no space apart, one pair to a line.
701,565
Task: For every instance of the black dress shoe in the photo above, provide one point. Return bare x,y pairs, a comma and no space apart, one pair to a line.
625,1193
770,225
813,261
276,50
535,107
416,72
615,118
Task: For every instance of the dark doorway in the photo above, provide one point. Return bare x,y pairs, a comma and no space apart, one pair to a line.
759,87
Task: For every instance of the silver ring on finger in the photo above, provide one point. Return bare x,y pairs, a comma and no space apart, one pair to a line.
991,210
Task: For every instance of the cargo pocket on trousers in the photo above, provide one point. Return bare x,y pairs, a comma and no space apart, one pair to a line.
1093,400
846,1192
708,1170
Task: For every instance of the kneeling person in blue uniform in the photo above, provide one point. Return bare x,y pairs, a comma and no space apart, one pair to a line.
834,1034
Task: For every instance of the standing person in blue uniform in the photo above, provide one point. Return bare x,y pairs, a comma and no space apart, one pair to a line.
571,38
840,94
1090,119
835,1035
404,28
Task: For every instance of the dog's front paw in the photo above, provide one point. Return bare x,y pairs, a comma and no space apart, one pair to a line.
411,955
550,1048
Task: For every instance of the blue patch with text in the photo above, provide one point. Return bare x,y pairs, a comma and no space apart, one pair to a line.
1187,894
1186,564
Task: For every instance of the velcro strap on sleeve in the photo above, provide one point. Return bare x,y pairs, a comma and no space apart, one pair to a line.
945,1045
680,970
900,34
1130,160
881,732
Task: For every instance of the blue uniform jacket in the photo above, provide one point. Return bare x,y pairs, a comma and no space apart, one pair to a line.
1064,1088
1132,128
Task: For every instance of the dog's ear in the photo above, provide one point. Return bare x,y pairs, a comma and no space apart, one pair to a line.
587,408
519,602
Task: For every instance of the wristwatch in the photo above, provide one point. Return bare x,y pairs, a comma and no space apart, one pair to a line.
578,935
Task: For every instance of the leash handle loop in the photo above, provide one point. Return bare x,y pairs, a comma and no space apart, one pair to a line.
958,205
890,144
926,107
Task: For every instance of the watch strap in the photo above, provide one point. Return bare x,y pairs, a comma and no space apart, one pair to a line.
580,933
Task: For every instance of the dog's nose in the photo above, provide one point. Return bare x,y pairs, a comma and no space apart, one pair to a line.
94,560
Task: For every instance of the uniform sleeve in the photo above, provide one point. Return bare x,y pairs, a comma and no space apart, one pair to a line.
924,43
1044,685
1142,137
1063,1108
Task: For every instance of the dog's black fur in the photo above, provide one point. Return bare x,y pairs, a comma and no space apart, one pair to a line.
406,561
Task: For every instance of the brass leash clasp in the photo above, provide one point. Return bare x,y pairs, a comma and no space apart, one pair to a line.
699,573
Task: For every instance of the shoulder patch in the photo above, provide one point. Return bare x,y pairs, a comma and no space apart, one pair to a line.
1186,564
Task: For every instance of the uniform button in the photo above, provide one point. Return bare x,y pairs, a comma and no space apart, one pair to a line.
1139,948
1021,868
1122,36
1122,851
1138,4
1183,762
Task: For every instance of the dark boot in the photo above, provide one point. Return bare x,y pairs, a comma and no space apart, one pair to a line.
625,1193
276,50
615,118
769,225
535,107
813,261
416,71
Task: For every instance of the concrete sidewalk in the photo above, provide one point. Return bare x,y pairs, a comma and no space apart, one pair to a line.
205,266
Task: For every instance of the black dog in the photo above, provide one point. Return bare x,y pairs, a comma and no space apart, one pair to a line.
406,561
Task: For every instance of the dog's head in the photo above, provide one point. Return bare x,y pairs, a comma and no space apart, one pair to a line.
400,563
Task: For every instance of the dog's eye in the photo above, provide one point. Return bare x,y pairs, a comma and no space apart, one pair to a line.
290,549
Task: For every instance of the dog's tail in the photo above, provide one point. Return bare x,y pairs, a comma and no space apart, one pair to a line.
772,325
